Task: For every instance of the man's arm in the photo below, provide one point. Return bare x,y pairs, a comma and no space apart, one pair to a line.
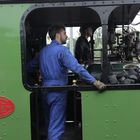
69,61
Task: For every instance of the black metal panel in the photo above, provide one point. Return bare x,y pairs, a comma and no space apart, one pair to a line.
69,16
37,1
124,14
81,14
85,88
41,1
99,2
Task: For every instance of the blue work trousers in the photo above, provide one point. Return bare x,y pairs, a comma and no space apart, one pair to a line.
55,109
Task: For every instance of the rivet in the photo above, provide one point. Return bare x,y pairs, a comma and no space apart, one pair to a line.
86,124
107,121
114,135
2,91
106,106
115,106
114,121
107,136
4,123
86,95
4,134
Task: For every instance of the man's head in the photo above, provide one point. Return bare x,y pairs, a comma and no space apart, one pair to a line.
86,31
58,33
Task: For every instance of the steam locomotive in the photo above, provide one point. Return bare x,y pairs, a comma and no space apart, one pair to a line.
113,114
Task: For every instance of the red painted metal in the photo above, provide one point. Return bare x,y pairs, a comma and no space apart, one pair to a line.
6,107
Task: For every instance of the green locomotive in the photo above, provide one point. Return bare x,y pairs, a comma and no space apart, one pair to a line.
111,115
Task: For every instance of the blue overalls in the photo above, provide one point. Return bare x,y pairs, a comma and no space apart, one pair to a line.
55,60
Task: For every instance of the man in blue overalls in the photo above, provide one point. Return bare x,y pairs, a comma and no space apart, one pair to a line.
55,60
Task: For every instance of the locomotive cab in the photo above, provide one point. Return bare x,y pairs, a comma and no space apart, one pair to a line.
107,64
34,36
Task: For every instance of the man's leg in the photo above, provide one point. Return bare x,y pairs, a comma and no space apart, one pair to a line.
57,103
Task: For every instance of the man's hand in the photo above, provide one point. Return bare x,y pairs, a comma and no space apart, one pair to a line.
99,85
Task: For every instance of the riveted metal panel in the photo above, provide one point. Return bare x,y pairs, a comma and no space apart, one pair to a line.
112,115
16,125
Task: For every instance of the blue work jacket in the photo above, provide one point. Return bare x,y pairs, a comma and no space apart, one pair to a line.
55,61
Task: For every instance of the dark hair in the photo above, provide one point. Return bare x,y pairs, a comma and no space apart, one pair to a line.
54,29
83,29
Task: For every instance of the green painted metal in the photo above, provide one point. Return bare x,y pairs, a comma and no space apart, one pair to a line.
112,115
17,125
